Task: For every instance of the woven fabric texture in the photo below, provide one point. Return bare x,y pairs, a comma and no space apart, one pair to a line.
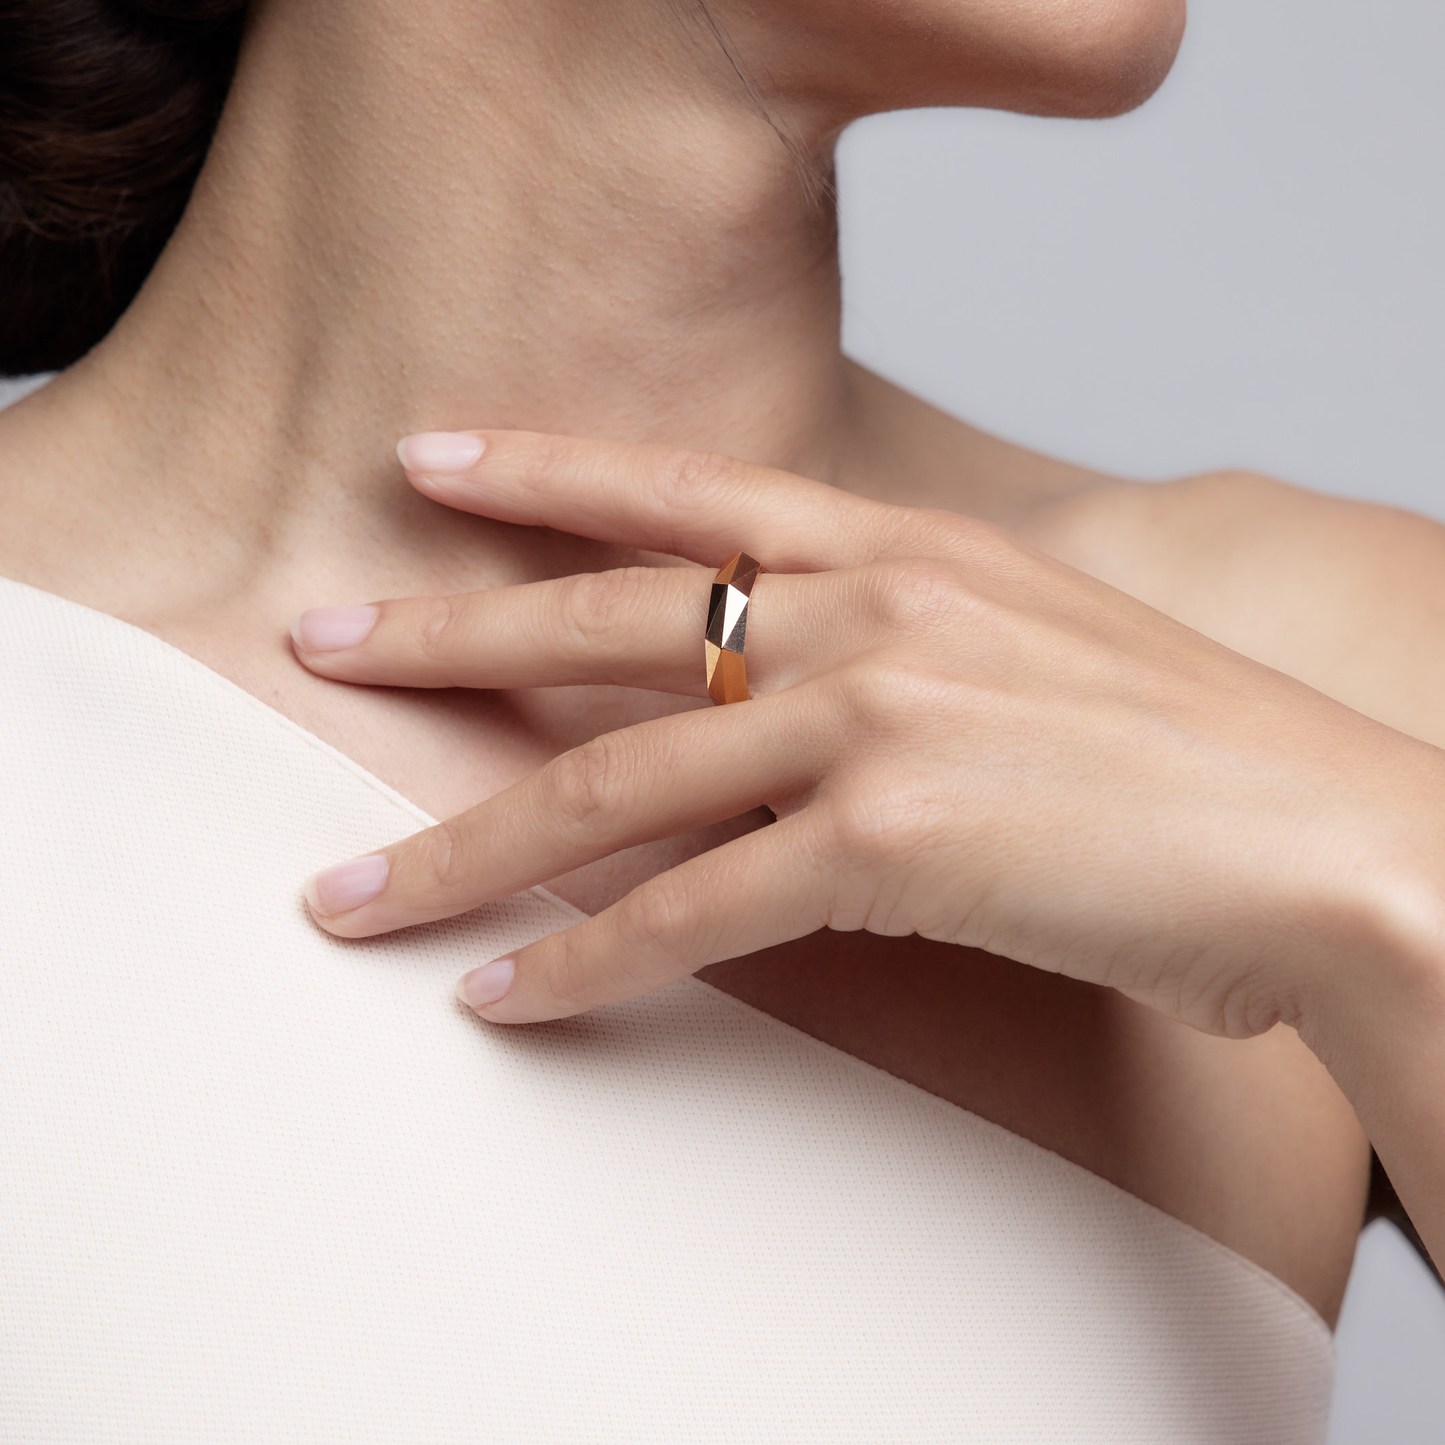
258,1184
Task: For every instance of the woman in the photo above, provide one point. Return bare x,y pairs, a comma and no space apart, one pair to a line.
279,1185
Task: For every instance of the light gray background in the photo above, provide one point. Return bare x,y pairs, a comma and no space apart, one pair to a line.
1246,272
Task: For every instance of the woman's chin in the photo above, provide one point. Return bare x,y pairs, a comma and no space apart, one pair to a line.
1044,57
1104,57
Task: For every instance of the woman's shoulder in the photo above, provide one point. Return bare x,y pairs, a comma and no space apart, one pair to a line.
1347,596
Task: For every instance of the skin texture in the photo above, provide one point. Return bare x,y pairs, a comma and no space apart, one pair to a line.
579,220
958,738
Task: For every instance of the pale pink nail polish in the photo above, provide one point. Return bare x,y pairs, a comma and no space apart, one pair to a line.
345,886
487,984
438,453
329,629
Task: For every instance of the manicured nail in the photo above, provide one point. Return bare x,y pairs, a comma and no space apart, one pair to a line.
487,984
345,886
329,629
439,453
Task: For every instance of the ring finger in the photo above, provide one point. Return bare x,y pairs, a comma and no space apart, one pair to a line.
634,627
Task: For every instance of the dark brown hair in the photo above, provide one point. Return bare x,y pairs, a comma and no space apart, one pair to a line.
106,110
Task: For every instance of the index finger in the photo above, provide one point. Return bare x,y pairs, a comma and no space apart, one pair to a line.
697,505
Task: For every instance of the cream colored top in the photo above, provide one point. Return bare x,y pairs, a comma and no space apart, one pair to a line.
259,1184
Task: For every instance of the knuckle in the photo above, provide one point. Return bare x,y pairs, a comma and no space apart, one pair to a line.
685,473
953,535
437,628
550,455
685,483
597,606
884,833
629,949
439,857
917,594
875,831
565,972
652,919
882,697
591,781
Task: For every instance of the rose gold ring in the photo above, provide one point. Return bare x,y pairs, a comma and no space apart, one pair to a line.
727,625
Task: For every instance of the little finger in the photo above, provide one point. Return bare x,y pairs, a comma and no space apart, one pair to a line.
753,892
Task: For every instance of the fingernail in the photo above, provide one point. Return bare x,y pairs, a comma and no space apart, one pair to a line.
487,984
347,885
438,452
329,629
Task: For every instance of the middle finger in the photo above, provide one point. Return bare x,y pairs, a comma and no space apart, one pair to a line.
657,779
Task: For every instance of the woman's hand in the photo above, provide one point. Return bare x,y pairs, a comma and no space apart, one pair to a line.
959,737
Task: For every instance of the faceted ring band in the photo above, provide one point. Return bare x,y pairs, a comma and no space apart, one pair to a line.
727,625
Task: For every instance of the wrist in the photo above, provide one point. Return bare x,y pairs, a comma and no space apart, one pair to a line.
1380,1031
1376,989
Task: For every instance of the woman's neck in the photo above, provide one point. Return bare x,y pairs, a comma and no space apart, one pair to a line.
494,213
